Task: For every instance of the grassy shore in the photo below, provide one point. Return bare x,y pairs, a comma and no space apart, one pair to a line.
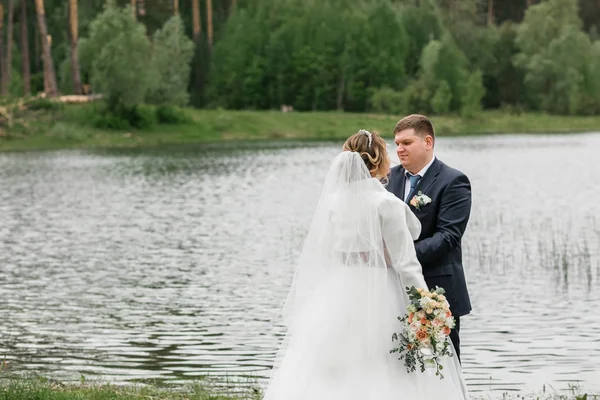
41,389
61,129
38,389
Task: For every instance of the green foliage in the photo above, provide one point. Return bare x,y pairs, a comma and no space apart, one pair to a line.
86,59
452,67
546,21
312,55
172,115
440,103
339,54
439,86
417,97
503,80
110,121
65,77
558,58
430,60
141,116
103,116
466,26
569,53
37,82
387,101
43,104
120,69
591,84
474,92
424,25
172,54
15,89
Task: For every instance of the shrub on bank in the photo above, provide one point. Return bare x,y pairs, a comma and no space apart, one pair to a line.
141,116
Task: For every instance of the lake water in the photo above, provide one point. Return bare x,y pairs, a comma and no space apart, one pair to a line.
132,266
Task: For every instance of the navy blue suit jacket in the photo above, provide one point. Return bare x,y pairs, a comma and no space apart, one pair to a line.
443,223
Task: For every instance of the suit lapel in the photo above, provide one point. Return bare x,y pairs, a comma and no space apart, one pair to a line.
430,177
401,183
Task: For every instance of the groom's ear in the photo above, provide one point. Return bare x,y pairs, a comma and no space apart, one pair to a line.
429,142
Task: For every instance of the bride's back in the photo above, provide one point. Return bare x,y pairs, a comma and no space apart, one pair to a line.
355,224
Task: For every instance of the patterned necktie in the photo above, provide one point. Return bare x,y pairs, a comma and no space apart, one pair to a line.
414,181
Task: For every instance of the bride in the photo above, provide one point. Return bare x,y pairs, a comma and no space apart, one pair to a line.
348,291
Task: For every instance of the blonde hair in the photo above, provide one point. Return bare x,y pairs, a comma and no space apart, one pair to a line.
371,147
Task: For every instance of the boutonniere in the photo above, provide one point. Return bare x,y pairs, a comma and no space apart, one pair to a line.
420,200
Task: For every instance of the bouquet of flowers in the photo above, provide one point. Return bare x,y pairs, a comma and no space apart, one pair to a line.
425,329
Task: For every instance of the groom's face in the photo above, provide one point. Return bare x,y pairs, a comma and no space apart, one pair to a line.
414,151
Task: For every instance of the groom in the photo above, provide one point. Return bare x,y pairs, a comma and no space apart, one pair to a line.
444,219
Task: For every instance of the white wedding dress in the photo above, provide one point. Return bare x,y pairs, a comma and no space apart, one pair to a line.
346,296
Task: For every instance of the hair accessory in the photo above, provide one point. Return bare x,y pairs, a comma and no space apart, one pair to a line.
369,135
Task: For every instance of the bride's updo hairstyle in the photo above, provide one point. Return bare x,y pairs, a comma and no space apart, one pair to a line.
372,149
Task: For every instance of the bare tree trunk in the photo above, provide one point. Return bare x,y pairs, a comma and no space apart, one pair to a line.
49,74
133,8
73,22
233,4
209,23
25,50
196,19
175,7
530,3
7,70
490,15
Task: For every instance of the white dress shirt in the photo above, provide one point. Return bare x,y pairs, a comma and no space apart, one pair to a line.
421,173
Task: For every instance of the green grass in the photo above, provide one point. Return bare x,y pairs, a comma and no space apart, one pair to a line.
66,127
338,125
42,389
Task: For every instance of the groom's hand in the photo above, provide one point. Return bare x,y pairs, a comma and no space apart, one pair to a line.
452,218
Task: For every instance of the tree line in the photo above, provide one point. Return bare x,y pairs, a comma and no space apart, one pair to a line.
434,56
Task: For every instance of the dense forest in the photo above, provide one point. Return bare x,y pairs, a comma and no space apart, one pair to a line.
434,56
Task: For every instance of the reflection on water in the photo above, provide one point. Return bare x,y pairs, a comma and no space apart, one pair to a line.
172,264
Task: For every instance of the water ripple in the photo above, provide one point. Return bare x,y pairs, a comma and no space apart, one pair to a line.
169,265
